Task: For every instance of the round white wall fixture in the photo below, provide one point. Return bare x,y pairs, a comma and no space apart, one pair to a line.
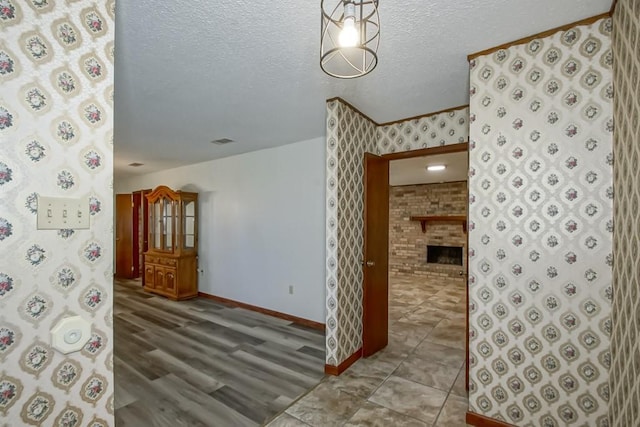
70,334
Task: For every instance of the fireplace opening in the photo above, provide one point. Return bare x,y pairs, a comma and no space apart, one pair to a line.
451,255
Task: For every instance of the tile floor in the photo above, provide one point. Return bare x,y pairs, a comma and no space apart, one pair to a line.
417,380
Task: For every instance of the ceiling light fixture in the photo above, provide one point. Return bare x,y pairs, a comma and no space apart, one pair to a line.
435,168
350,37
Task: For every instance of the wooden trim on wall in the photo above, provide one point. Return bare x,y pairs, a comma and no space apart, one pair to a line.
337,370
482,421
543,34
446,110
299,320
337,98
440,149
613,7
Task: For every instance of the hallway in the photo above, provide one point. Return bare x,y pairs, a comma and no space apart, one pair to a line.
418,380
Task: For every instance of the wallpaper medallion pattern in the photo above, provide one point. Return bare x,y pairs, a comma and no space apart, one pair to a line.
56,75
624,408
349,136
540,223
451,127
331,194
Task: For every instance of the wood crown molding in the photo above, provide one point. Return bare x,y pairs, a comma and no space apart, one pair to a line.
337,370
446,110
478,420
294,319
337,98
543,34
422,116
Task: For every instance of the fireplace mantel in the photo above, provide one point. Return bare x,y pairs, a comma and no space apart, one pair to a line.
442,218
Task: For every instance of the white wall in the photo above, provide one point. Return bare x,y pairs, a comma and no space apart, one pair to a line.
261,225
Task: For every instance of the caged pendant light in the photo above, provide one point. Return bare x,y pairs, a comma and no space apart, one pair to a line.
350,36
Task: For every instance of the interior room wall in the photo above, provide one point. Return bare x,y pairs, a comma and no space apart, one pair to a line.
261,225
431,130
625,340
541,229
56,122
349,135
408,243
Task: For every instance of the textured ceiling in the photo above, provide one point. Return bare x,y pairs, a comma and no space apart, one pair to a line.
191,71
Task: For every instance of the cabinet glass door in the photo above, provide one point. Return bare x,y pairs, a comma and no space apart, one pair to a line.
189,232
156,215
167,222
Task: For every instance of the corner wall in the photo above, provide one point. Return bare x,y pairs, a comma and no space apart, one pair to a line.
56,122
624,408
349,135
541,229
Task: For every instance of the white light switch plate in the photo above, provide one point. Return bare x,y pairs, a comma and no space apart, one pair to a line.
56,213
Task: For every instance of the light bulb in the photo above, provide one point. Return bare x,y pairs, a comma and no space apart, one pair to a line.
349,35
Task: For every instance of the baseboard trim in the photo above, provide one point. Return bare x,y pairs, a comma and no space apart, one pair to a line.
295,319
482,421
337,370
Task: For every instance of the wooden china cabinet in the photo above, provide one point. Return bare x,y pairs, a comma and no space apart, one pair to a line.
171,262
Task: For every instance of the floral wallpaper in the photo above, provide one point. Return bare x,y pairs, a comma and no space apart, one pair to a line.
56,75
541,224
624,408
431,130
349,136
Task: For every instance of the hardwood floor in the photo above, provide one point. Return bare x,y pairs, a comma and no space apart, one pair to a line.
202,363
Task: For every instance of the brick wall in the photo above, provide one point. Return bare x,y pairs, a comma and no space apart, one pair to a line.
407,242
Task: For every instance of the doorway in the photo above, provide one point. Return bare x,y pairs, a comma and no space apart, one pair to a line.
427,302
131,239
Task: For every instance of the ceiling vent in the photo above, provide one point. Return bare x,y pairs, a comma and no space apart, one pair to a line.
135,164
222,141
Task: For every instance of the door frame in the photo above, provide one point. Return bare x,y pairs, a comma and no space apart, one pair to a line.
140,218
375,262
136,202
442,149
123,239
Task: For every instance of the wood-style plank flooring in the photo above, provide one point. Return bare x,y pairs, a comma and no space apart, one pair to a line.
202,363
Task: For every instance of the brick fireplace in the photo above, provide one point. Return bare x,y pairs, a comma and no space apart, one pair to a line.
448,255
408,244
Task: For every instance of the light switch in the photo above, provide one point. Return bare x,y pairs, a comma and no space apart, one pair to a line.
56,213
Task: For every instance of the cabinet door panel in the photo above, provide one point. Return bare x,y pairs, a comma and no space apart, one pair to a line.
149,276
170,279
159,278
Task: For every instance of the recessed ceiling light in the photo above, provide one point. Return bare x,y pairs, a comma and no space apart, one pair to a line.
135,164
222,141
435,168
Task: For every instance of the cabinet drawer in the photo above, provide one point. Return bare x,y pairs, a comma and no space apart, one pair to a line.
171,262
